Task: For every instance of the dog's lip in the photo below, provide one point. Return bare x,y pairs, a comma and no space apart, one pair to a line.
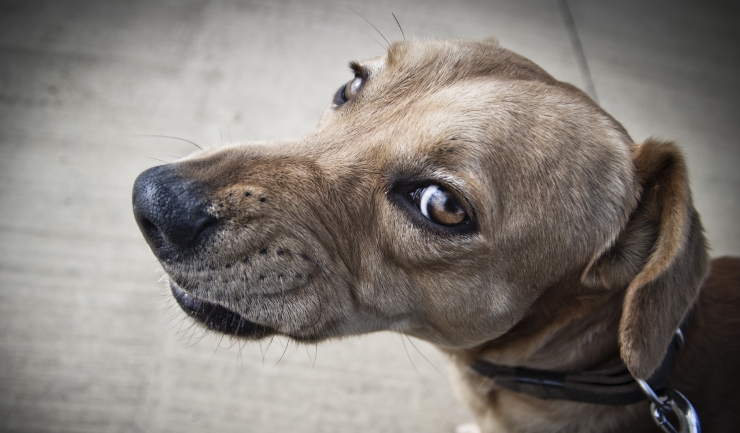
216,317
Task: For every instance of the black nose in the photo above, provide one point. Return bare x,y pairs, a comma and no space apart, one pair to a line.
170,211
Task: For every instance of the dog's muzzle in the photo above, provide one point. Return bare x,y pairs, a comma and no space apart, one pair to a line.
172,213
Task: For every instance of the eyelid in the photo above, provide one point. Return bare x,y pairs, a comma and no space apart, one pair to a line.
359,70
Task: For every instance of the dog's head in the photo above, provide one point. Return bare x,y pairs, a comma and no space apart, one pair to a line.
448,186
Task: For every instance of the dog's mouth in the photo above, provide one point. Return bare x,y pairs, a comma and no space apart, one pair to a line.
218,318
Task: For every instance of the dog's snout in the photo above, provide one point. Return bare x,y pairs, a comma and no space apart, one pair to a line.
170,210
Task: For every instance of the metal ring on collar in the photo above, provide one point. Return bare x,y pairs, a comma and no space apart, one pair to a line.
671,400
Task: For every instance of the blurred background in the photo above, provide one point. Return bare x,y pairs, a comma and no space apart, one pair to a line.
90,340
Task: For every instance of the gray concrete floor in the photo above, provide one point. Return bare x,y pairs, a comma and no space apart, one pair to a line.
89,340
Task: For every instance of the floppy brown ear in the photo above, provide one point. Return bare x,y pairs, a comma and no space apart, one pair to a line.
660,256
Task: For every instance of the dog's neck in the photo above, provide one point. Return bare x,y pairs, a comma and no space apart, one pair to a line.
569,328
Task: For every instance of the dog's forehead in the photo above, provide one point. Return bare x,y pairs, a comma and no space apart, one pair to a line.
440,62
431,84
456,90
461,89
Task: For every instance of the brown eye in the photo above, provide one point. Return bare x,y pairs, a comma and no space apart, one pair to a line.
439,205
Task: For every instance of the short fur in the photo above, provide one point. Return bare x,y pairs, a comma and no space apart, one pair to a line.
585,246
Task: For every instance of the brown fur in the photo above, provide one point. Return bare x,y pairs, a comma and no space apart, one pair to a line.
586,247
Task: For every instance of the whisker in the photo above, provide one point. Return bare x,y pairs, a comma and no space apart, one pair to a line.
376,29
427,359
193,328
268,347
169,136
180,330
287,343
376,41
217,347
399,26
156,159
183,334
262,352
234,341
407,352
182,320
309,356
202,336
242,345
482,381
174,316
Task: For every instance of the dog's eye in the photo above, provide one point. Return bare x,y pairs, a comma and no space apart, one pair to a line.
348,91
438,205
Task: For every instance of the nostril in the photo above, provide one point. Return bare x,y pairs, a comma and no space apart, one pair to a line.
180,225
148,228
205,226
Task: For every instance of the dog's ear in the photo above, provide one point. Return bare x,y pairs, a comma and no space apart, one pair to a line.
660,256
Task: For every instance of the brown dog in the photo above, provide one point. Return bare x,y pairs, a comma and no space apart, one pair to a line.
456,192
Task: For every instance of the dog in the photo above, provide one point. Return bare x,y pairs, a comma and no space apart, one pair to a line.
456,192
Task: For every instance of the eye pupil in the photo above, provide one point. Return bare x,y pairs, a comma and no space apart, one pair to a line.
440,206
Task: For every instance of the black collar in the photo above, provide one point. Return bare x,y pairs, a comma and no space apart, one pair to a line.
610,386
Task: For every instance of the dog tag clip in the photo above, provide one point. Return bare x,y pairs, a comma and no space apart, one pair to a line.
668,401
